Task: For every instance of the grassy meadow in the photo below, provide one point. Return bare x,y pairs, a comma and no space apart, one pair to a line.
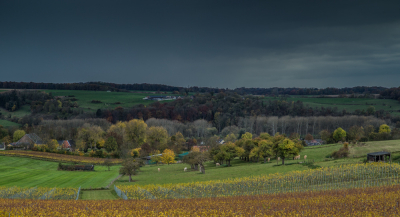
25,172
6,123
108,99
174,173
375,146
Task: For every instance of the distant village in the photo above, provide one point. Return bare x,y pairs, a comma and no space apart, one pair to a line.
161,98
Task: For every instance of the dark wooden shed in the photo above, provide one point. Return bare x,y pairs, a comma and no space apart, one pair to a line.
379,156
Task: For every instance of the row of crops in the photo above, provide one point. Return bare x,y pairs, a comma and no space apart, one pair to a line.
329,178
358,202
39,193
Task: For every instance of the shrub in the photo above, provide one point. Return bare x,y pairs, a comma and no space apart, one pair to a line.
342,152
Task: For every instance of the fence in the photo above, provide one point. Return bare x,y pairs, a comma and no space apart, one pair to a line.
120,193
77,194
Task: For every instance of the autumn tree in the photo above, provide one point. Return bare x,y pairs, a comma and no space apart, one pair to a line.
384,128
339,134
130,167
52,145
229,151
18,134
118,132
230,138
355,133
168,156
157,137
135,132
177,142
309,137
111,144
89,136
108,163
263,150
286,148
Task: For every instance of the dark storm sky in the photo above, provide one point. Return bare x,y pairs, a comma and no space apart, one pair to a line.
202,43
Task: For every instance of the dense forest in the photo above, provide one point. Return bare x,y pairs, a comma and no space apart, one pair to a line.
225,109
102,86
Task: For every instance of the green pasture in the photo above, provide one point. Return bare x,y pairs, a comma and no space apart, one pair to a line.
6,123
25,172
108,99
24,110
108,194
349,104
375,146
174,173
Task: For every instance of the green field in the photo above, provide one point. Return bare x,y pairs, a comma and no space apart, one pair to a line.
350,104
174,173
108,99
98,195
6,123
24,110
375,146
25,172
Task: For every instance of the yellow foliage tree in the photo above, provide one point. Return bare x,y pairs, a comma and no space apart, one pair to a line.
136,132
168,156
195,149
384,128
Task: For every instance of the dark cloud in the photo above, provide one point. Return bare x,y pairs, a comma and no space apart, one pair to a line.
204,43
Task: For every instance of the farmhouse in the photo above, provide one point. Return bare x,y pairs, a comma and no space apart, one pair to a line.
27,142
159,98
67,145
314,142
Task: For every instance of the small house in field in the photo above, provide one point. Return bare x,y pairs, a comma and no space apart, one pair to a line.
379,156
27,142
68,145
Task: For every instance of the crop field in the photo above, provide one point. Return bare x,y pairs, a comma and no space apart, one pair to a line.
327,178
27,173
375,201
108,99
39,193
350,104
57,157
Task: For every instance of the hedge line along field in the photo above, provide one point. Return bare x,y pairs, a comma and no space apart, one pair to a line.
376,201
57,157
328,178
26,172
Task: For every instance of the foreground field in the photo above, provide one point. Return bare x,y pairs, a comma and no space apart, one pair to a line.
378,201
25,172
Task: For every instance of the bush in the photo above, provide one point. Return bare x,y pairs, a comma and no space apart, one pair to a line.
96,101
342,152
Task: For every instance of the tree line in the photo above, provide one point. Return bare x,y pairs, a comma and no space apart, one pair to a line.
104,86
